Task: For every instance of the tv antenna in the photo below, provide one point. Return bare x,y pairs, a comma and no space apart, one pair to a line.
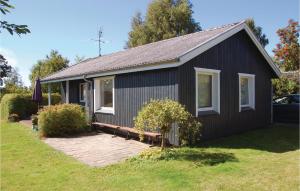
99,40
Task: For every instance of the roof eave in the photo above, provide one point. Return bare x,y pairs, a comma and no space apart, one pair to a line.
153,66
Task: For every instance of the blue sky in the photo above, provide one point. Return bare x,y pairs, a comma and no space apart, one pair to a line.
68,26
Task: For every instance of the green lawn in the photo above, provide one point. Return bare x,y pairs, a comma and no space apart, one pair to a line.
265,159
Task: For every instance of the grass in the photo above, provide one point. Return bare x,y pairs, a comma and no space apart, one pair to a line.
266,159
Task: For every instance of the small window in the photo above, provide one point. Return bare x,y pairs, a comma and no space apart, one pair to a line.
104,95
207,90
246,91
82,92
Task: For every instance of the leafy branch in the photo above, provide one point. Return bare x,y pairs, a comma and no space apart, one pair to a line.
11,28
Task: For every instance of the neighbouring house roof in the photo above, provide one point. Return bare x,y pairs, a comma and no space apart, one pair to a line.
162,54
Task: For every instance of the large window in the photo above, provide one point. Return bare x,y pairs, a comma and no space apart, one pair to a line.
246,91
104,95
207,90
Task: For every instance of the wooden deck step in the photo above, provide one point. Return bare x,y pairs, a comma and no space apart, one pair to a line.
129,132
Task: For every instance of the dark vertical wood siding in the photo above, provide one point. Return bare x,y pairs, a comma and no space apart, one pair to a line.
235,55
132,90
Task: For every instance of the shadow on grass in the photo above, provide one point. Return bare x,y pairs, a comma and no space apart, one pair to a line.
199,157
279,138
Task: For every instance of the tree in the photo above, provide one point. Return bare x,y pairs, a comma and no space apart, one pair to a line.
11,28
140,33
287,51
285,86
52,63
78,59
287,58
164,19
257,30
13,83
5,68
161,115
14,78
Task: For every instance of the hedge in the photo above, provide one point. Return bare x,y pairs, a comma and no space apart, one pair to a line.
62,120
22,104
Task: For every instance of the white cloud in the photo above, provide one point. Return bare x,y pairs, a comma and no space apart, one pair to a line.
10,56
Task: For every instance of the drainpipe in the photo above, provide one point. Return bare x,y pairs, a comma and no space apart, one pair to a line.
86,80
89,104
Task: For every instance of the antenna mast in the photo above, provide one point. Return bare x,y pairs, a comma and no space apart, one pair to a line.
99,39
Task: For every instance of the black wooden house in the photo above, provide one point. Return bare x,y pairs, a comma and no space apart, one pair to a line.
222,75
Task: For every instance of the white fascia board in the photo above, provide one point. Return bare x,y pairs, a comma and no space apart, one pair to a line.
62,79
138,69
121,71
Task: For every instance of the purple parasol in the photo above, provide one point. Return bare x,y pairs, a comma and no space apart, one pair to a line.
37,93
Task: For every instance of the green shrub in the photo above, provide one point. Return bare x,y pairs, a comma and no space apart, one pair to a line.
13,117
34,119
283,86
62,120
22,104
162,114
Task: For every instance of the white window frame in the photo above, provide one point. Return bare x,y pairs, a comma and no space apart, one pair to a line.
215,89
85,86
97,94
251,91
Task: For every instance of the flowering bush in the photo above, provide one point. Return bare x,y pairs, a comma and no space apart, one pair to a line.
161,115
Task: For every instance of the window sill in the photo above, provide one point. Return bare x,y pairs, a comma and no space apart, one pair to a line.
106,111
247,108
210,112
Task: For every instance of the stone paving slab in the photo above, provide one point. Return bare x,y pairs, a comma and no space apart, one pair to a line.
98,150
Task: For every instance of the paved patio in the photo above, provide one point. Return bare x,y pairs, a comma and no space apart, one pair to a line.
98,150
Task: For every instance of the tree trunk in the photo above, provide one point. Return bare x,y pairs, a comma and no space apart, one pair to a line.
163,140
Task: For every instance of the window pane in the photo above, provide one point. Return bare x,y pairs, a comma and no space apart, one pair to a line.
106,93
244,91
204,90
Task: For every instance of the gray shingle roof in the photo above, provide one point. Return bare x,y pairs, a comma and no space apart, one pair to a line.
153,53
